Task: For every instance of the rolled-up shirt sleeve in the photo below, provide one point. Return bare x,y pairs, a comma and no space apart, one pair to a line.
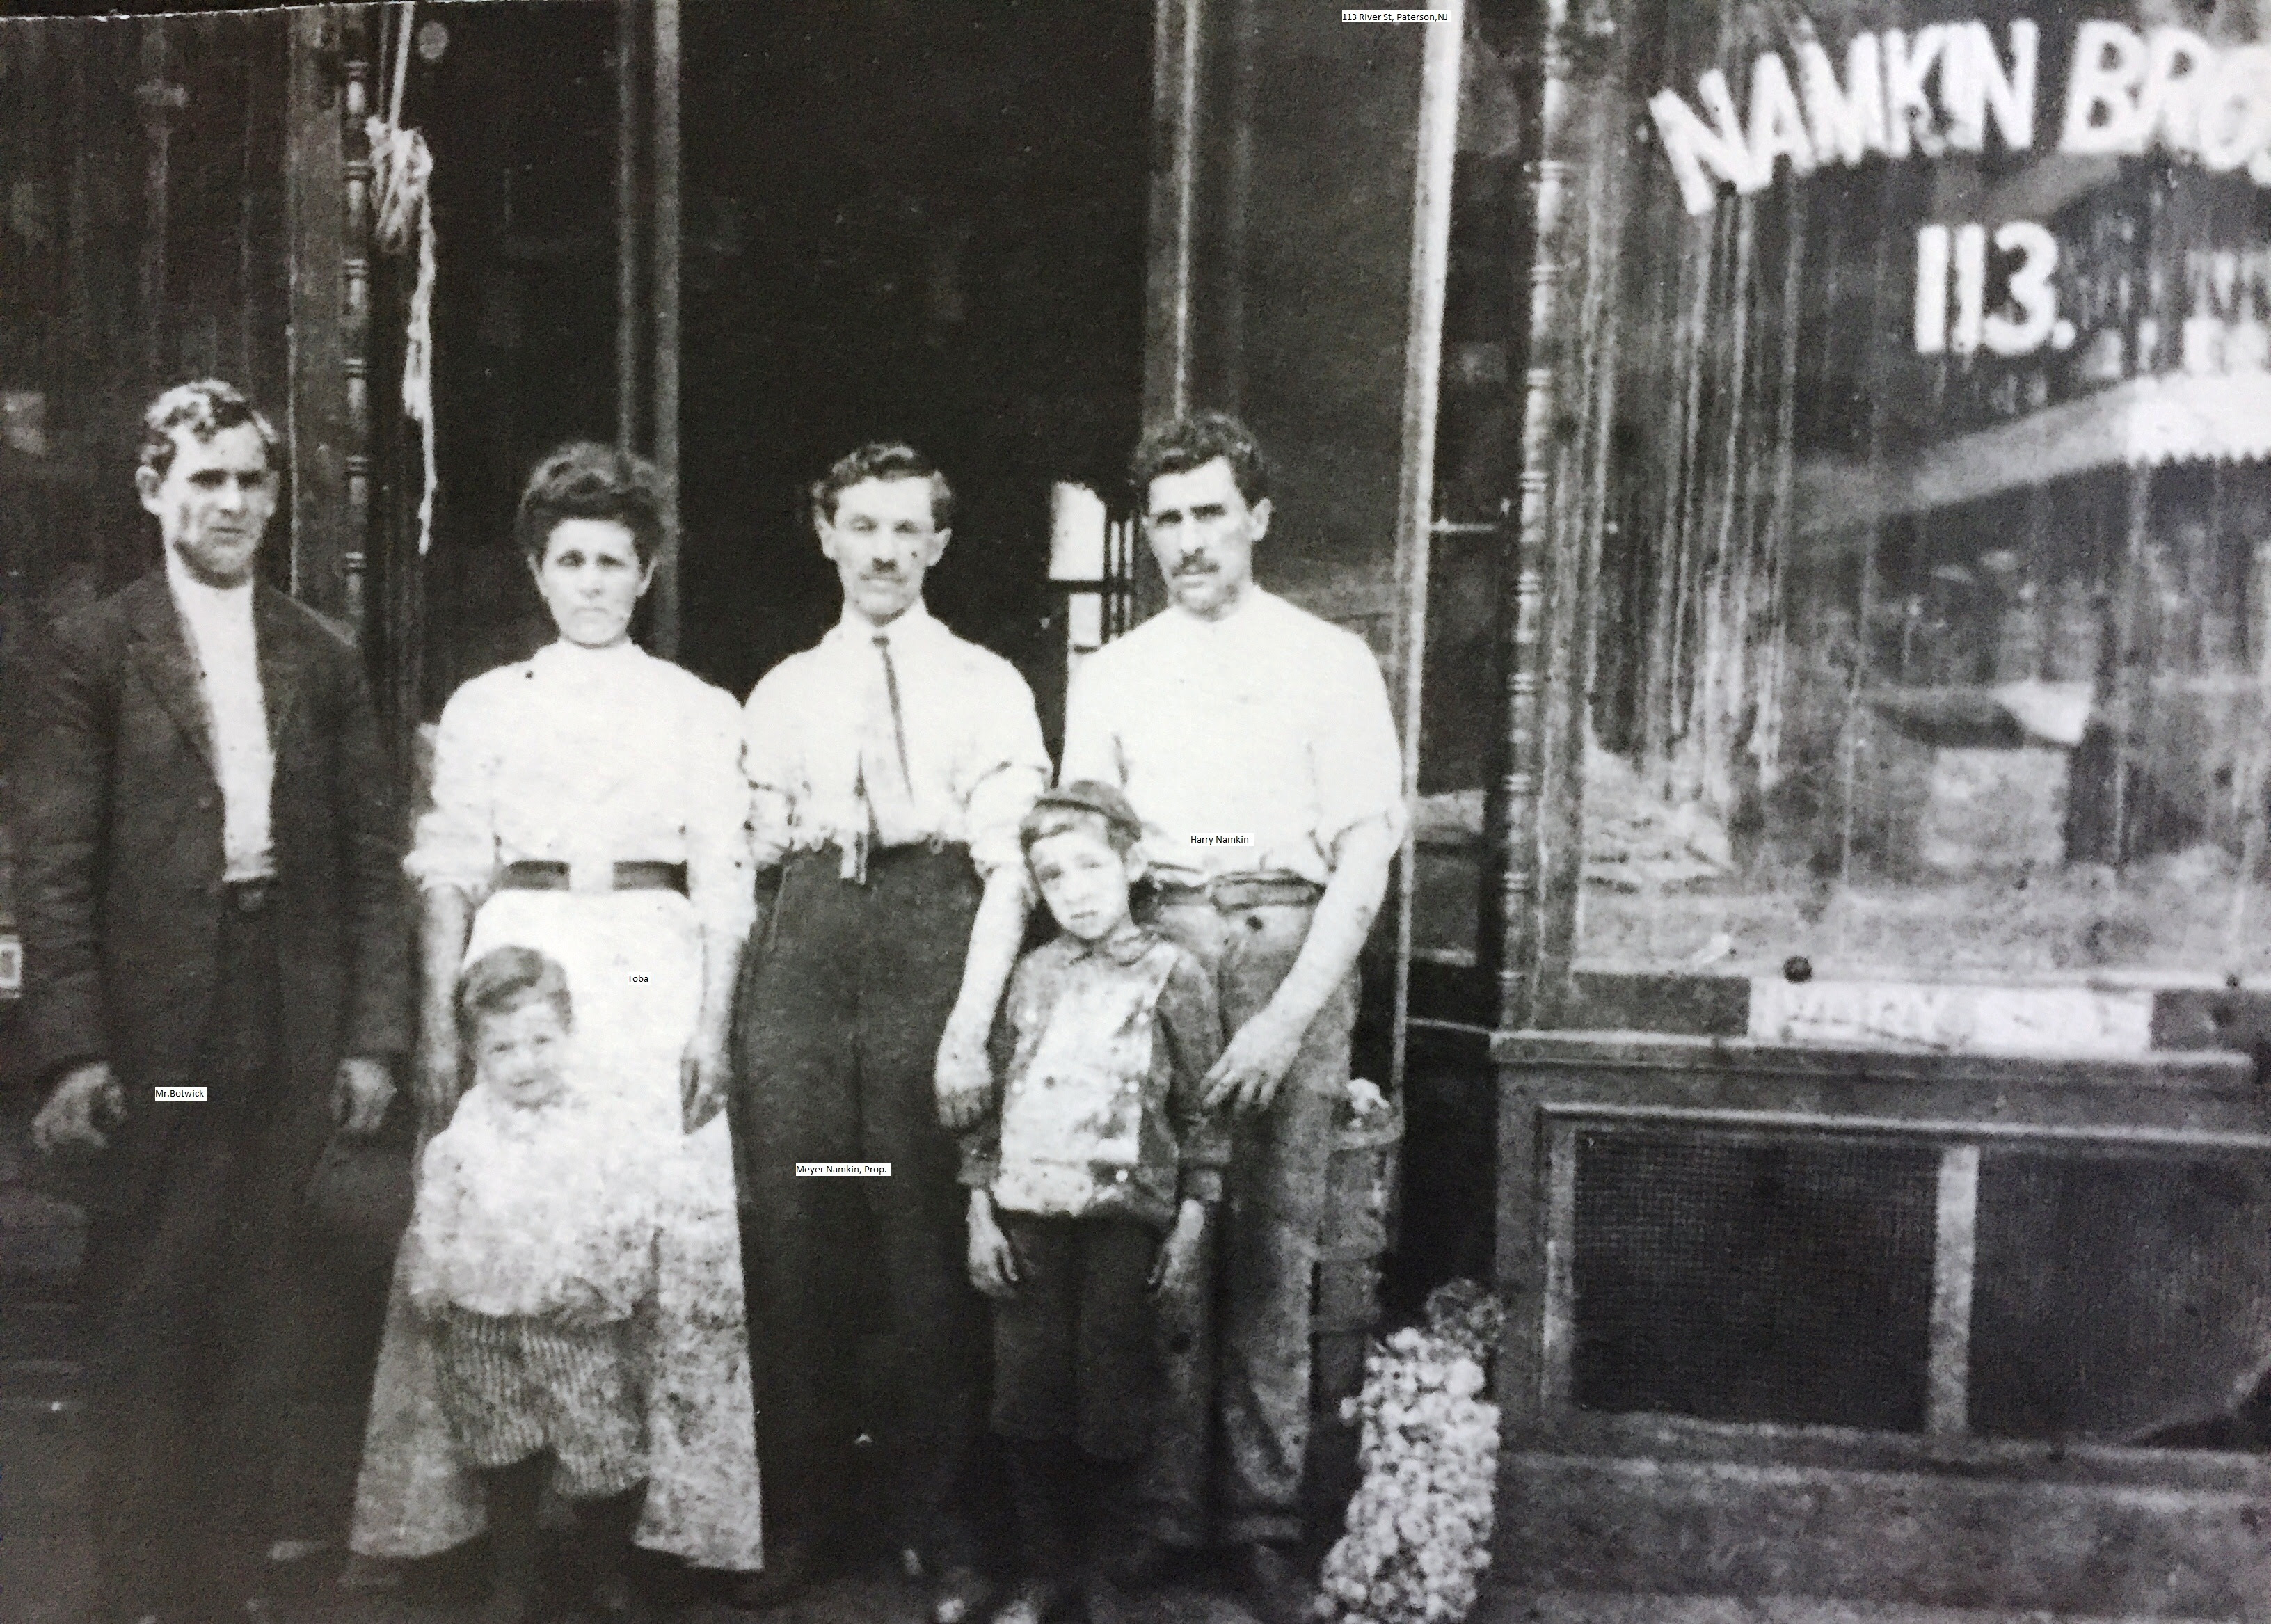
456,843
1004,771
718,878
771,770
1358,763
1092,743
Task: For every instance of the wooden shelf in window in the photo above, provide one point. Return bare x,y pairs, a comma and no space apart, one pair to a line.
2143,423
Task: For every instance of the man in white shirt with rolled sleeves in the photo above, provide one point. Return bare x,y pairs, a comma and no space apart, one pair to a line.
1255,742
890,767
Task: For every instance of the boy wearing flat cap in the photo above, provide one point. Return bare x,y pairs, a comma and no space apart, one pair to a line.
1091,1176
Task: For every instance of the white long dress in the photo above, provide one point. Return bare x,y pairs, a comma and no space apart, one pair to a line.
590,758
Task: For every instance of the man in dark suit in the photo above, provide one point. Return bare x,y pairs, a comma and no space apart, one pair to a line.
215,974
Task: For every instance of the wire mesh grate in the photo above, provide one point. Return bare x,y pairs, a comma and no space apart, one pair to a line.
1730,1277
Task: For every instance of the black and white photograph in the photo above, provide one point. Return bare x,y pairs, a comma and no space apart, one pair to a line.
1135,811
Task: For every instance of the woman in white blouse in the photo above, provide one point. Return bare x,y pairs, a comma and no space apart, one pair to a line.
589,803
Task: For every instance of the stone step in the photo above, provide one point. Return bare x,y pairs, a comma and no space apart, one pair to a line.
1514,1606
2090,1532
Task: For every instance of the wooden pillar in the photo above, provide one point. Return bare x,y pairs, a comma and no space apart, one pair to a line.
1177,35
158,101
316,415
354,360
1549,176
1415,508
628,325
666,316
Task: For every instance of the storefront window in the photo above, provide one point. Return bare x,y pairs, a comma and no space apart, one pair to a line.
1934,606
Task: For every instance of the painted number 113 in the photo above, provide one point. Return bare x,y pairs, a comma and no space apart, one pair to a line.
1951,312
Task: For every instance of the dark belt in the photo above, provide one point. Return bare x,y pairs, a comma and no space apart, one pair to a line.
249,897
1232,892
535,875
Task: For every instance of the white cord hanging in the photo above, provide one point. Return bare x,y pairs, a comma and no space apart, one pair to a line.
402,171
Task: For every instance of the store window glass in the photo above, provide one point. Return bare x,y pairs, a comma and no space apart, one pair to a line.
1933,607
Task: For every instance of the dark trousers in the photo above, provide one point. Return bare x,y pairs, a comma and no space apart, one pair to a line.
1272,1223
190,1289
1072,1345
843,1002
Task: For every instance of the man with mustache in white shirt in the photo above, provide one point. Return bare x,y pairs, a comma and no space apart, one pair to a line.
1255,742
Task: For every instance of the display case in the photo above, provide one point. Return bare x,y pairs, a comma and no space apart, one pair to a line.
1876,884
1935,558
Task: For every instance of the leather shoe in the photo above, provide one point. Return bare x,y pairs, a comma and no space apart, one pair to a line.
958,1596
1272,1585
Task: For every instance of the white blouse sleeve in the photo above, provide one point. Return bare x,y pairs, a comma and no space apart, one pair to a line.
771,777
715,799
456,842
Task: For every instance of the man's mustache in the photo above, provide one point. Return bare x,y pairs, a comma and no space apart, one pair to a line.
1196,563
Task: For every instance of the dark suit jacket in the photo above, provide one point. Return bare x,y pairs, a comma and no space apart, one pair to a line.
118,821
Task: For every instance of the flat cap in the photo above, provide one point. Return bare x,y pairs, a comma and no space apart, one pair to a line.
1084,795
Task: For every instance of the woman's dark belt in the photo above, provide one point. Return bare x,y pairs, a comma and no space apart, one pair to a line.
1232,892
537,875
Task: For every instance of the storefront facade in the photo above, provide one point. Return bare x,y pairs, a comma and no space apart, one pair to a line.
1883,807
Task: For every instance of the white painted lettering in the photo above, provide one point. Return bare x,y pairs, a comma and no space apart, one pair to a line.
1909,118
2177,61
2030,290
1777,127
1976,89
1694,147
1848,120
2232,115
2102,91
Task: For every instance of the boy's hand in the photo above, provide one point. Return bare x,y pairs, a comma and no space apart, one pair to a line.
964,1077
1177,1270
993,1259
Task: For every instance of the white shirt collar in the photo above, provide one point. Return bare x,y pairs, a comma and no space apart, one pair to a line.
1199,625
914,622
573,658
196,597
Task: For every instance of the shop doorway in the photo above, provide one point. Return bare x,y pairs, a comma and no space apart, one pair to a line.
922,222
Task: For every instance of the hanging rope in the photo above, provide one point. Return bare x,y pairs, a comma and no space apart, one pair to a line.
402,172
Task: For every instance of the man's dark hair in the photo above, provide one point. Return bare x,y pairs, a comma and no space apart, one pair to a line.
503,979
1193,442
882,459
205,408
585,479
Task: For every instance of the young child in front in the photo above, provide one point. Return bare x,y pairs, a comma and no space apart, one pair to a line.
1090,1182
533,1244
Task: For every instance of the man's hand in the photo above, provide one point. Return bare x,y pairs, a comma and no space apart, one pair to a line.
993,1260
87,1100
1254,1063
964,1077
1177,1270
360,1094
702,1078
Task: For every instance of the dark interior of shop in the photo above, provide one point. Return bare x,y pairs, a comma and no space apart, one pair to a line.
920,222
